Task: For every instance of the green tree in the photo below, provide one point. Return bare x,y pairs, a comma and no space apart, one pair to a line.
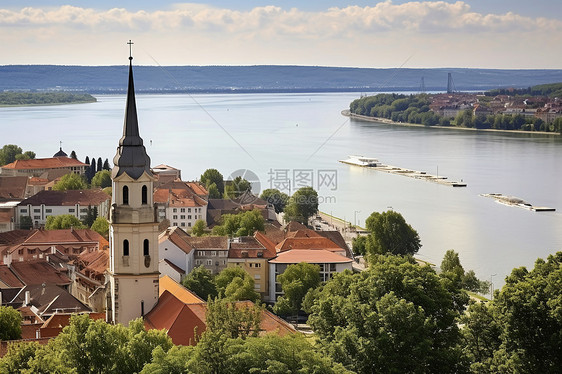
91,215
18,356
26,222
395,317
389,233
102,179
101,226
296,281
10,323
200,280
358,245
106,165
172,362
451,268
275,197
198,228
235,284
302,205
233,319
10,153
241,224
236,188
73,155
213,191
70,181
64,221
211,176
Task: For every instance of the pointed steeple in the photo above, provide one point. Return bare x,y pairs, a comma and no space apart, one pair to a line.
131,157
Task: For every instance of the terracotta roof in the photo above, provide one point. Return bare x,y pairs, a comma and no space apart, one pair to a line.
274,233
94,262
66,236
49,299
6,215
181,320
14,236
183,294
198,188
319,242
294,226
13,187
9,278
44,163
61,320
208,242
265,241
337,238
178,198
311,256
178,237
38,272
67,198
249,247
302,233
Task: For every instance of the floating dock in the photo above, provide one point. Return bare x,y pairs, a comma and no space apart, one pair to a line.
376,165
516,202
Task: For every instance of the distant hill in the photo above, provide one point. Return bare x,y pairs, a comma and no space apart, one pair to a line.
264,78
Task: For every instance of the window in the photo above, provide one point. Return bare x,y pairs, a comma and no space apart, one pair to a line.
188,210
125,247
182,210
175,224
125,195
189,224
183,224
144,194
189,216
70,210
197,262
182,216
23,210
146,247
175,210
83,210
48,211
209,262
213,253
36,217
257,276
36,210
175,216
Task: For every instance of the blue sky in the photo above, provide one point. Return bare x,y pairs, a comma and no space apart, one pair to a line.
471,33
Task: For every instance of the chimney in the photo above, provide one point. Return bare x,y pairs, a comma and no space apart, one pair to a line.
27,297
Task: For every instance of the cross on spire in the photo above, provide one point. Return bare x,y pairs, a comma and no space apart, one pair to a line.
130,43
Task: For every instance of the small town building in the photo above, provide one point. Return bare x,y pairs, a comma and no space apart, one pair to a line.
180,205
176,256
38,166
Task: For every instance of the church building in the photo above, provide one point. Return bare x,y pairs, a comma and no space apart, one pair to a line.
133,233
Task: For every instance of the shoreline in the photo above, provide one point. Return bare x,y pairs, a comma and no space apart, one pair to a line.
347,113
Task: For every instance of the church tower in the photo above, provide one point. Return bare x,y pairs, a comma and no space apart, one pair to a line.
133,231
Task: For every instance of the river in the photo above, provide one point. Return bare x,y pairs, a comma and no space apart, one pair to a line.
295,137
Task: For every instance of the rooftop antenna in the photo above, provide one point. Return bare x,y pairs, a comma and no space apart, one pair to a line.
450,84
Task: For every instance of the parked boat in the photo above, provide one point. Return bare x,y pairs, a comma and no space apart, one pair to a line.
362,161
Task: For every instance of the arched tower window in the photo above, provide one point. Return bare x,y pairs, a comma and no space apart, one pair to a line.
125,247
146,247
144,195
125,195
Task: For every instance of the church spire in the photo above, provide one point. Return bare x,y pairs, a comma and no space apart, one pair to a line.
131,157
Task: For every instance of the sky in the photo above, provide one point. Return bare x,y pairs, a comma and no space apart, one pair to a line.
508,34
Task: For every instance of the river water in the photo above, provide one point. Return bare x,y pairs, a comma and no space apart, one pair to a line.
292,139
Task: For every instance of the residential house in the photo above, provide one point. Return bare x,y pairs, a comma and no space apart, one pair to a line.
251,253
165,173
210,251
179,204
176,255
54,203
12,192
245,202
87,274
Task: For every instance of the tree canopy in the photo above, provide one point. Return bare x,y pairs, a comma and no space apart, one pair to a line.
302,205
275,197
70,181
201,281
101,226
241,224
395,317
63,221
389,233
296,281
213,176
10,323
198,228
236,187
235,284
11,152
102,179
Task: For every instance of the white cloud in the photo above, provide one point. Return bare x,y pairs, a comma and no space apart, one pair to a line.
284,35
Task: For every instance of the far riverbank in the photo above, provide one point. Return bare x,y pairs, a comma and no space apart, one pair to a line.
347,113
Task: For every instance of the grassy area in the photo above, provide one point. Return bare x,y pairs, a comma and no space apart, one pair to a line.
44,98
348,224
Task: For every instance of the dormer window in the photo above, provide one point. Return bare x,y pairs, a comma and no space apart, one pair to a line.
144,195
125,195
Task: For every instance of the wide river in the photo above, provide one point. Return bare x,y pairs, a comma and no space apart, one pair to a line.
290,138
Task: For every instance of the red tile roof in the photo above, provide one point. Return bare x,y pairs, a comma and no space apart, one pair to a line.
35,273
9,278
208,242
186,296
307,243
178,237
45,163
67,198
178,198
13,187
249,247
311,256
